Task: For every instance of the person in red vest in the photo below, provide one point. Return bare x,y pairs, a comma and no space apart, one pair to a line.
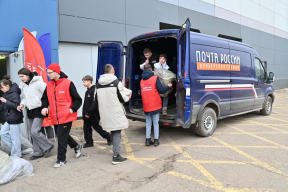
151,88
64,101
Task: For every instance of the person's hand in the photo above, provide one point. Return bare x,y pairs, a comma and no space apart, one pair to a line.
3,100
87,116
169,84
71,111
147,61
19,108
129,96
44,111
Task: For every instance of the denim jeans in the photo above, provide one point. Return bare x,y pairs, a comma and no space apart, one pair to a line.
10,133
165,101
155,119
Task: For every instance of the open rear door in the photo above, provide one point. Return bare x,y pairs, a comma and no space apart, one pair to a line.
184,101
110,52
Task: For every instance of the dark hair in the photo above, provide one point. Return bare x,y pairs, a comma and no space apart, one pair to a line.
87,78
24,71
163,55
108,68
146,50
147,67
6,81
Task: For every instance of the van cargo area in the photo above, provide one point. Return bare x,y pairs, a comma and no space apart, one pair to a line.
160,45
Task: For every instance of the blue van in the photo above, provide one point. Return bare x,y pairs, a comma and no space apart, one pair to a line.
216,77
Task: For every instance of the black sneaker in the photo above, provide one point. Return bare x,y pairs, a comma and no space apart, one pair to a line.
118,159
88,145
156,142
35,157
59,164
109,140
148,142
47,153
78,150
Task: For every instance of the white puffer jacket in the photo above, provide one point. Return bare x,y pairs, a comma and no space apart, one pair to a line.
110,92
32,93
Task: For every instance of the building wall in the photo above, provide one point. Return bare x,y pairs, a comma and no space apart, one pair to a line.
260,23
77,61
34,15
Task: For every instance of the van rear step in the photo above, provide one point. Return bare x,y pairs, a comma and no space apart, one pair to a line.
140,112
162,122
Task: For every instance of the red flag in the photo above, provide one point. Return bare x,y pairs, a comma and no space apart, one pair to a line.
34,57
35,61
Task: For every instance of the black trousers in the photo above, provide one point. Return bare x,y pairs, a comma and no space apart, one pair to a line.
88,131
64,138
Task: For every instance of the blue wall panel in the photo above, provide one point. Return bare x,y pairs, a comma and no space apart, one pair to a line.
34,15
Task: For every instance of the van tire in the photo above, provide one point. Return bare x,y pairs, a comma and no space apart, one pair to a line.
207,122
267,108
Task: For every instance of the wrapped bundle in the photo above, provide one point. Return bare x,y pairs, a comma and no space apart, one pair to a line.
165,77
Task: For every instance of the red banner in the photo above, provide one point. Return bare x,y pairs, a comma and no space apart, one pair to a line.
34,57
35,62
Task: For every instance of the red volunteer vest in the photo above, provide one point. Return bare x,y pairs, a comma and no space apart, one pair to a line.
150,96
60,101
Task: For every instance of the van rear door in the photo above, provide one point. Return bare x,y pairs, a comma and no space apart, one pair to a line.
184,101
110,52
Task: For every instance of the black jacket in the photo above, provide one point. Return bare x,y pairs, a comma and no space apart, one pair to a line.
88,102
152,60
36,113
10,107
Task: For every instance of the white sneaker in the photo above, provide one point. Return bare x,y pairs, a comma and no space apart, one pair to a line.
59,164
78,150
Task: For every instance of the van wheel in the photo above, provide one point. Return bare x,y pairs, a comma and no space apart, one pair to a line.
267,109
207,122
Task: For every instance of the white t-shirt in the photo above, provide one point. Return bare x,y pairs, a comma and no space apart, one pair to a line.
159,66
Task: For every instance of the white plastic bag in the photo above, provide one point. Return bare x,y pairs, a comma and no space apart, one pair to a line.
27,151
14,168
26,146
165,77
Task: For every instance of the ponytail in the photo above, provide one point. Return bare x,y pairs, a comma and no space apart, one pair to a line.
6,81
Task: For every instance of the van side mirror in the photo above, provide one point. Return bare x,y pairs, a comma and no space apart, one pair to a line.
271,77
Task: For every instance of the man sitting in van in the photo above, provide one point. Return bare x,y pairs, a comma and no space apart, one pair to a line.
162,62
149,58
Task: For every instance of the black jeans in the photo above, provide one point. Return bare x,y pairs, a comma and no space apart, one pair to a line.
64,138
88,131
